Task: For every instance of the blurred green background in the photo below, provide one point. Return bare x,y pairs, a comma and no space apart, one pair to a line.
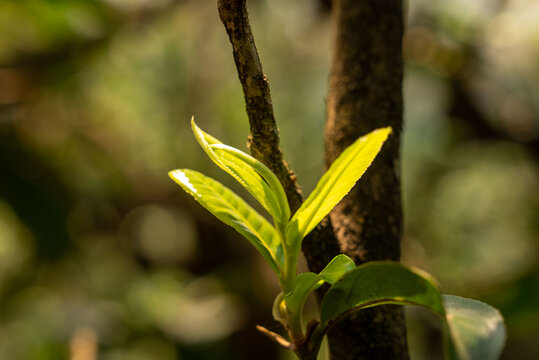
103,257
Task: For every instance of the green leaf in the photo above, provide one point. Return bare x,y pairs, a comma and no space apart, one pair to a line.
234,211
304,285
254,176
279,309
336,268
476,330
336,183
377,283
308,282
242,160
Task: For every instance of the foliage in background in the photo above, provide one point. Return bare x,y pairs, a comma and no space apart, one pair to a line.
97,248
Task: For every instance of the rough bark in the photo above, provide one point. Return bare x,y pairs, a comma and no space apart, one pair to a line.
320,246
366,93
264,139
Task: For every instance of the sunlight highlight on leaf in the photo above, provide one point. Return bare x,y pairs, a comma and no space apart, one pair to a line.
254,176
336,183
235,212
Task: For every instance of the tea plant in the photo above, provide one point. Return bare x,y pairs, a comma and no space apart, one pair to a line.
472,329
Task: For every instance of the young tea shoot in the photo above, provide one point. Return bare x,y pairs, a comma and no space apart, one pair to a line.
472,329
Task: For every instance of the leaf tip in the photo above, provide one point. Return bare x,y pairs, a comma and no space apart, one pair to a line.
175,174
195,128
388,130
171,173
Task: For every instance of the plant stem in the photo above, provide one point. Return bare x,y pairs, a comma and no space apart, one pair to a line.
309,347
290,268
295,328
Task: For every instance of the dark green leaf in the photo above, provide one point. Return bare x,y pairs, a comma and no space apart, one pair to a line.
378,283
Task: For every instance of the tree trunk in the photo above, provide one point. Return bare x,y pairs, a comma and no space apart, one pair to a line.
366,93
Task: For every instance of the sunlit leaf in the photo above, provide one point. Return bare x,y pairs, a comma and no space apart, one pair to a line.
241,160
249,172
234,211
336,183
378,283
476,330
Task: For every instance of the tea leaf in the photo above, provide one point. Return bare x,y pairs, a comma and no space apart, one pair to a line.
233,211
308,282
476,330
246,170
377,283
336,183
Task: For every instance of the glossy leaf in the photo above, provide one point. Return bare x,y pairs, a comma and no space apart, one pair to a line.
476,330
234,211
336,183
308,282
378,283
234,156
246,170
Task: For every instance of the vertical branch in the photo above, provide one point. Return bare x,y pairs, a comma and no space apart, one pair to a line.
366,93
264,139
320,246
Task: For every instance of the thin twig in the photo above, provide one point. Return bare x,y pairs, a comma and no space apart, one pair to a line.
276,337
320,246
264,139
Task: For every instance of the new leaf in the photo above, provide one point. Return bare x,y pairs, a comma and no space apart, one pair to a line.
249,172
336,183
308,282
234,211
